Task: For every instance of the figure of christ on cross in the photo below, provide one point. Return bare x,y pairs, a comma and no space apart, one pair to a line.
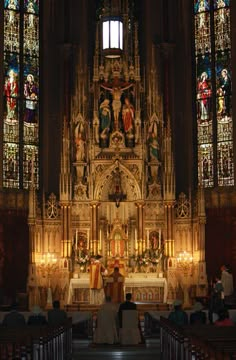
116,89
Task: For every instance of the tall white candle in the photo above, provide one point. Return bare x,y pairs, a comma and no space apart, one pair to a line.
135,239
159,238
76,238
88,239
148,238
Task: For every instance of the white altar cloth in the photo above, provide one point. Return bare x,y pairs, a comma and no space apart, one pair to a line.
134,280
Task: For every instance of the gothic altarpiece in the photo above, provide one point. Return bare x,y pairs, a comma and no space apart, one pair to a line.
117,188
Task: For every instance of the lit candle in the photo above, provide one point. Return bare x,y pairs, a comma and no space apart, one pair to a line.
76,238
135,239
88,239
159,238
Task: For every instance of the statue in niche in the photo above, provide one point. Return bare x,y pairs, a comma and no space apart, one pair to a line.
154,241
79,135
117,245
105,119
128,119
153,139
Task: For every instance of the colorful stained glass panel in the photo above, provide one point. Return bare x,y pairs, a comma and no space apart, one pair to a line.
225,164
202,33
201,5
205,166
11,165
11,31
12,4
221,3
30,166
31,35
204,89
222,29
31,6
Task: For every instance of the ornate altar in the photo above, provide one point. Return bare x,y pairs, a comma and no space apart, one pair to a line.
119,199
144,288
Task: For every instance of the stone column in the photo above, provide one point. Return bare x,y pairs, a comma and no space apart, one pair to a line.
66,233
169,214
140,234
94,227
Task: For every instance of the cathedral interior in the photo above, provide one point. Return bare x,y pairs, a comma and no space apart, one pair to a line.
117,141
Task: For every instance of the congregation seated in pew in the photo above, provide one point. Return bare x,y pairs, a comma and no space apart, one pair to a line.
178,315
14,318
223,318
37,318
56,316
198,316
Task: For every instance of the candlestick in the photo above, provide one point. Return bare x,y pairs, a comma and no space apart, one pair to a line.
88,239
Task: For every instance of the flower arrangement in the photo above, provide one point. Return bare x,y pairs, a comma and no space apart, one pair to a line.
83,257
147,258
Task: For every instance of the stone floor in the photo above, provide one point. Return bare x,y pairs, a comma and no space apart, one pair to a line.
83,350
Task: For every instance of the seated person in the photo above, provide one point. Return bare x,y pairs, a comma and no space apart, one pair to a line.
106,330
14,318
178,315
37,318
127,305
224,319
56,316
198,316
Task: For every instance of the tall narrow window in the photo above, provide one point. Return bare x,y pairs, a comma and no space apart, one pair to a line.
213,92
21,93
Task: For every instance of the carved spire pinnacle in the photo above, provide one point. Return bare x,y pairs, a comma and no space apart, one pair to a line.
169,170
65,176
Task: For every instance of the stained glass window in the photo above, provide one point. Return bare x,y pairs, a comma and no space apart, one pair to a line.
213,92
21,93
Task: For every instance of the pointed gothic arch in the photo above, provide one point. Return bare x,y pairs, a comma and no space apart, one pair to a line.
131,185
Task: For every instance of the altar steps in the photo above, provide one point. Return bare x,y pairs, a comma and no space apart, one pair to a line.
141,307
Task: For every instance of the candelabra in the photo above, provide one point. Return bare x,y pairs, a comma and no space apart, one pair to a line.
185,265
48,266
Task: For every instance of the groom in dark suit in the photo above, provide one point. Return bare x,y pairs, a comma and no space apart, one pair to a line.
127,305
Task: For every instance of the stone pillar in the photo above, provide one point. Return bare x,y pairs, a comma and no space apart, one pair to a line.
94,227
169,214
140,232
66,233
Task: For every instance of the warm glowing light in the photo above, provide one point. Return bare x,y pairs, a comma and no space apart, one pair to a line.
184,257
112,35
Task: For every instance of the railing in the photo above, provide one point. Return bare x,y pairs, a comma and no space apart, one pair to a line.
36,343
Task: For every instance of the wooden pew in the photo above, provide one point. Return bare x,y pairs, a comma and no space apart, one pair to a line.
197,342
36,343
